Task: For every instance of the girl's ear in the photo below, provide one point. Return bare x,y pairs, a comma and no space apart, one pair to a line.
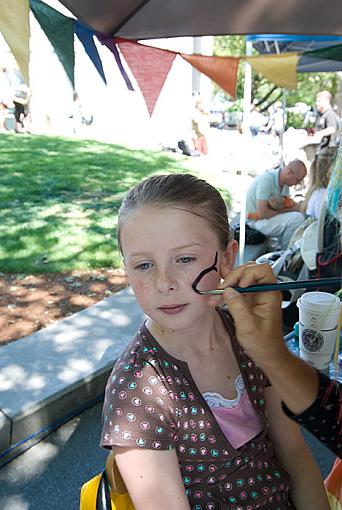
228,258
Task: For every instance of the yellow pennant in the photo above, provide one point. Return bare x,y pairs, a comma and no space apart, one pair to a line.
279,69
15,27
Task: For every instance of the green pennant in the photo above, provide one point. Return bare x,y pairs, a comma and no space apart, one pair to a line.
59,29
330,53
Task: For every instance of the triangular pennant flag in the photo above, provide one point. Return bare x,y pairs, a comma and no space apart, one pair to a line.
150,67
60,31
15,27
331,53
222,70
85,35
279,69
108,41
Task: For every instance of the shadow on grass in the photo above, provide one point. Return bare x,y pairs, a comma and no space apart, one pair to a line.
60,197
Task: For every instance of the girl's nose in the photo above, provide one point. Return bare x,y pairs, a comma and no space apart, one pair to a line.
166,282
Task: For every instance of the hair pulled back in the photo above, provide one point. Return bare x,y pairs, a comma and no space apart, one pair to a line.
182,191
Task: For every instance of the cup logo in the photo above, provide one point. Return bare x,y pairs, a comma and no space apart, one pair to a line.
312,340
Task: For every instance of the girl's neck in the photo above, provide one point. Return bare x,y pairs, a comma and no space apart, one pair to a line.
201,339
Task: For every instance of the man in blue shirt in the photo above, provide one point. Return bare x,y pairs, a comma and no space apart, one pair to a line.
282,222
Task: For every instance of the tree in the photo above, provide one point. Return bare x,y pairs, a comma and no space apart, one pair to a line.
265,93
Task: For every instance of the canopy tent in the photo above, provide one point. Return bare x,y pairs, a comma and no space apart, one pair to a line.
282,43
152,19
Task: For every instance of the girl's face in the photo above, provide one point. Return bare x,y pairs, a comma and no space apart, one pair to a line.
164,250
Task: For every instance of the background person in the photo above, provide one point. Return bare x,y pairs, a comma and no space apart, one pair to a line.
277,121
256,120
21,101
319,176
200,126
282,222
189,416
328,124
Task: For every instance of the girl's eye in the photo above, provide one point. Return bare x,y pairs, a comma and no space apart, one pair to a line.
186,260
143,266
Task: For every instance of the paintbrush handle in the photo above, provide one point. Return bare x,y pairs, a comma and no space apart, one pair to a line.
299,284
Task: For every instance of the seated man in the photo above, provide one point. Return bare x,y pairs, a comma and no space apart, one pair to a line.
261,215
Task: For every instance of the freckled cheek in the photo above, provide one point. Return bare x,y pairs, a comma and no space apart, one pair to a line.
141,286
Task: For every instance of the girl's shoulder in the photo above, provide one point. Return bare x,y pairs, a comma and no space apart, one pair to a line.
139,408
139,352
144,361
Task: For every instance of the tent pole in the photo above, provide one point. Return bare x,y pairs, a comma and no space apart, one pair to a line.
196,75
283,129
247,99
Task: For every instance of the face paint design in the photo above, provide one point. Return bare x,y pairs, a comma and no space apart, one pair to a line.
201,284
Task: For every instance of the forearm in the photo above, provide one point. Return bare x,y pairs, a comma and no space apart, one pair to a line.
267,212
307,489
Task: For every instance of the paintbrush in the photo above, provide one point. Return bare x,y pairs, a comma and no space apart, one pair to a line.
298,284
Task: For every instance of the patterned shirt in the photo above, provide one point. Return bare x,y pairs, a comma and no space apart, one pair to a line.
152,401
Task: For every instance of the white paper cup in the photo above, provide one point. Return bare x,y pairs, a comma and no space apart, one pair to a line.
318,319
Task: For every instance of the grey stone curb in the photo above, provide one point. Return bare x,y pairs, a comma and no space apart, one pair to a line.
34,424
5,431
56,373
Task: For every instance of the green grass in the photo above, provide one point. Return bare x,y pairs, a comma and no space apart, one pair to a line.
59,199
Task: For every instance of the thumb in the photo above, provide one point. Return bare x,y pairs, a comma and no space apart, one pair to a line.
239,310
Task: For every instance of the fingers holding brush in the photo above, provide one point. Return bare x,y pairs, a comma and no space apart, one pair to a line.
257,316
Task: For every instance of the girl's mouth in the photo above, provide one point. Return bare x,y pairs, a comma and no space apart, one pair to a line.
172,309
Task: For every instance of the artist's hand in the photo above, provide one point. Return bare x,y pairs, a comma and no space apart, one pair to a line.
257,316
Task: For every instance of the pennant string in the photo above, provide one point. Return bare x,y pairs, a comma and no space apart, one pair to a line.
110,43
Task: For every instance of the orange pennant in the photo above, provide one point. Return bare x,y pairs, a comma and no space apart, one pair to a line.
222,70
150,67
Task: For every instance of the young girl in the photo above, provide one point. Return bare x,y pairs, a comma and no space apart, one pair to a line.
320,172
193,422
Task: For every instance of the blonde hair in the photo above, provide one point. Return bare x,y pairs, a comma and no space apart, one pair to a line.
319,176
182,191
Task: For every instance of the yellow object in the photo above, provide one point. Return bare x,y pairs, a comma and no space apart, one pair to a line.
15,27
89,493
333,486
280,69
253,216
288,202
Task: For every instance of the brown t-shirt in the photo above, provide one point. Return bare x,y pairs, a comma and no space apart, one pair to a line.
152,402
